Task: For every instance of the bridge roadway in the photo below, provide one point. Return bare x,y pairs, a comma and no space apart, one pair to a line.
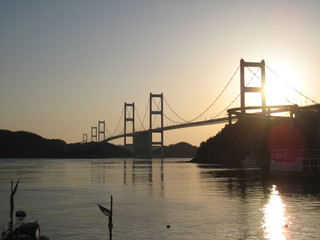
235,111
173,127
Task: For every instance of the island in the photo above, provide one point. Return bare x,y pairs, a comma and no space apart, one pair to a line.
22,144
258,135
178,150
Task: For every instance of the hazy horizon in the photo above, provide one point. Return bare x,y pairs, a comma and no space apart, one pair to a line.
65,65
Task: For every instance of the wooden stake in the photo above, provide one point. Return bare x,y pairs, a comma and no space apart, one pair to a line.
110,219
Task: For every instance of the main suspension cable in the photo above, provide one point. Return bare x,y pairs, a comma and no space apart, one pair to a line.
118,123
217,98
226,107
108,131
254,75
145,113
171,119
139,120
174,112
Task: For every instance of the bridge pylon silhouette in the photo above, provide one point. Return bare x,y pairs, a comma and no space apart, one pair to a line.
144,142
94,134
260,110
244,88
247,89
101,130
128,118
158,112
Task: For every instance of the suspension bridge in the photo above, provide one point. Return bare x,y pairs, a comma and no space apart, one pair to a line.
142,142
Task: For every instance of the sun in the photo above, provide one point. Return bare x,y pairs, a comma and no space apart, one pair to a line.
279,87
276,94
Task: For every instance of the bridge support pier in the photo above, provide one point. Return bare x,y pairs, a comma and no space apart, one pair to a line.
142,144
229,118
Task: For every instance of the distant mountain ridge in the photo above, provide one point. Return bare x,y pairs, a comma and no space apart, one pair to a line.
23,144
179,150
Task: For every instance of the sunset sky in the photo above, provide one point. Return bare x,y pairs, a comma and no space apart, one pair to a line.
66,64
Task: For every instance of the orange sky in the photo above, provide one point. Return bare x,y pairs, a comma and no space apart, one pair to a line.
65,65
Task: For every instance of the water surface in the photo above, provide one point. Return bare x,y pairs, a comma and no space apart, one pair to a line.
196,201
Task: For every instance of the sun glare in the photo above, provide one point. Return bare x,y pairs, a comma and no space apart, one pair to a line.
281,80
276,94
275,220
277,87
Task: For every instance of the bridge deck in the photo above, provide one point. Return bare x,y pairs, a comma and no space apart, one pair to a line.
183,125
273,109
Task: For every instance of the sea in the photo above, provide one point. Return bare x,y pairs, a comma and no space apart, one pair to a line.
161,199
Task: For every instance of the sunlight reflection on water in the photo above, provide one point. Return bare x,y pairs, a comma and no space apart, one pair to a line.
198,202
275,219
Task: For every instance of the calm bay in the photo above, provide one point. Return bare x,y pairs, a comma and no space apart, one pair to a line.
158,199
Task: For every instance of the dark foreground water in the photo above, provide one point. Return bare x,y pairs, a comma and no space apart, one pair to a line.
198,202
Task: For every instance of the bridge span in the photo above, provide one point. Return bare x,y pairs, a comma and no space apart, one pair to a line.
144,141
174,127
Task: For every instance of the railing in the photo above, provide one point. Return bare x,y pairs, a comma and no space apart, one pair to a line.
293,154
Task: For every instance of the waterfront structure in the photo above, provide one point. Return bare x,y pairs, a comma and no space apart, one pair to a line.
295,163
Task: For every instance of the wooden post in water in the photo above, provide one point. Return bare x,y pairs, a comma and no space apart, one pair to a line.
110,219
13,192
108,213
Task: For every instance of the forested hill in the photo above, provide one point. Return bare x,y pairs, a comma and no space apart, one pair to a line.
179,150
29,145
258,136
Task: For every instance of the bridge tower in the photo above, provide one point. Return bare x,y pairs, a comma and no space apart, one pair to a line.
93,134
85,138
101,130
159,111
244,89
128,118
